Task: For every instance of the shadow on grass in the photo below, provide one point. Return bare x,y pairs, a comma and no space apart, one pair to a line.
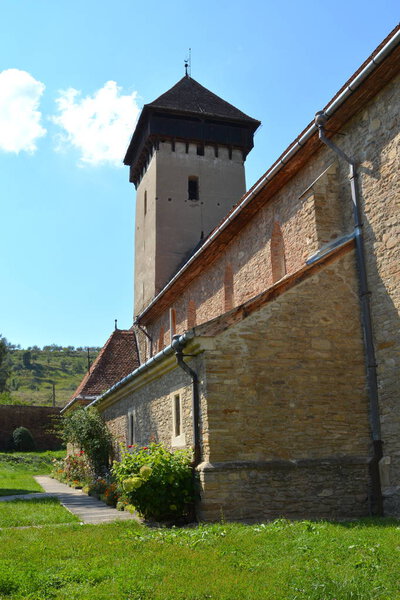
15,491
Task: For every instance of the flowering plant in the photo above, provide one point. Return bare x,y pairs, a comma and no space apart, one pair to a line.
76,468
158,482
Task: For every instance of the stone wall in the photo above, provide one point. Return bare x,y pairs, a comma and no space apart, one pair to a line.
286,384
310,211
40,420
312,489
152,407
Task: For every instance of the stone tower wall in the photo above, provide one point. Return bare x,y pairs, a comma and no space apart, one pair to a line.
172,224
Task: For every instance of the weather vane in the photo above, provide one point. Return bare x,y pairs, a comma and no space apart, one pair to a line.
188,64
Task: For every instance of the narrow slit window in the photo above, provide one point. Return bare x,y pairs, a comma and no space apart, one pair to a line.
193,188
177,415
131,428
145,203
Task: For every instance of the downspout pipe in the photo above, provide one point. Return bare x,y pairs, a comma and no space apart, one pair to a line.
178,345
137,324
372,381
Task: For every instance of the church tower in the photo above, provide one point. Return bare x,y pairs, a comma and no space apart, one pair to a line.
186,160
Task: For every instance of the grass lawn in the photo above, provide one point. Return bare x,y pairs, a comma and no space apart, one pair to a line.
39,511
18,468
278,561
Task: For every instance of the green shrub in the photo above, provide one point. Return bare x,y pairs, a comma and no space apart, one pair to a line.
85,429
22,440
159,483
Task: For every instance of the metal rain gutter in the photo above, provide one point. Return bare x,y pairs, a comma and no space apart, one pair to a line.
284,159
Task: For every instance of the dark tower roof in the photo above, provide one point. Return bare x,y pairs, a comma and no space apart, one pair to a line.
188,112
190,97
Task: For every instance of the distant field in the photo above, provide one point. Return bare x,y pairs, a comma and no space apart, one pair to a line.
33,372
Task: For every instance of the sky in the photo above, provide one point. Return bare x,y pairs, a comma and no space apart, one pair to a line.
74,76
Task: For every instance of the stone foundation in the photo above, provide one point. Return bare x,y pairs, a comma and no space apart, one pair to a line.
331,488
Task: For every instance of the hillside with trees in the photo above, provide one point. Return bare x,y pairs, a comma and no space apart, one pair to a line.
41,376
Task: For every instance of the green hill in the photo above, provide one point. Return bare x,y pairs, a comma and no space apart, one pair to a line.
32,373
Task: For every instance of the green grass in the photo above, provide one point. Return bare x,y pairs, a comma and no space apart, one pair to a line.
278,561
18,468
38,511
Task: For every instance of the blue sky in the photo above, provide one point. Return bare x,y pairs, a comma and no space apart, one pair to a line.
73,76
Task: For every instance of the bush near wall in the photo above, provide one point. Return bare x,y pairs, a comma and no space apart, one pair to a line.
158,482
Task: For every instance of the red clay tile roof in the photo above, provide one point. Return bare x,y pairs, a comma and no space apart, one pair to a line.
118,357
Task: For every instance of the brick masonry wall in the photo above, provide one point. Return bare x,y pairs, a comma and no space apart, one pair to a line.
40,420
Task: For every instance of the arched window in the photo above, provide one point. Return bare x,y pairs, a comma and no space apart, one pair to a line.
161,339
228,288
191,314
278,260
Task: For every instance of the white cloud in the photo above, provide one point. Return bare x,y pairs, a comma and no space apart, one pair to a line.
99,126
19,118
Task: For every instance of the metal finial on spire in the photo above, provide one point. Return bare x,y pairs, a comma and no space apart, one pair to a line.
116,324
188,64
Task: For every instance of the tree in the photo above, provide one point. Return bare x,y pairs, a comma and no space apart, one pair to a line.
85,429
4,366
26,359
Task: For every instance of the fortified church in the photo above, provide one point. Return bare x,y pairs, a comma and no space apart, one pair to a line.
266,333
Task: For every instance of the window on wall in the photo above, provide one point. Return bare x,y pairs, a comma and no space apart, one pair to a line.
177,416
131,427
228,288
178,438
191,314
145,203
278,259
193,188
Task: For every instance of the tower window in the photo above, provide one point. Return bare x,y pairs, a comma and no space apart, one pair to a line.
145,203
200,150
193,188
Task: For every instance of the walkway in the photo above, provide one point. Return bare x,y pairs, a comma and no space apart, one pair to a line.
89,510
